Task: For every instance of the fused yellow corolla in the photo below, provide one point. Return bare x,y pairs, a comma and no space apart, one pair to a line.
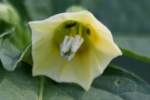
72,47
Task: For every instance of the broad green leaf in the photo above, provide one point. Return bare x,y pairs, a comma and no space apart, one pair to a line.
135,65
14,46
115,83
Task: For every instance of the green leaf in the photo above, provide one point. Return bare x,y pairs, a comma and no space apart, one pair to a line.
14,46
136,66
115,83
14,37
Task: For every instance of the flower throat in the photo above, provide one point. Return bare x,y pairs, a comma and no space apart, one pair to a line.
72,40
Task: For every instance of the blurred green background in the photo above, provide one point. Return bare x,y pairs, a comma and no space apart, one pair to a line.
129,21
131,16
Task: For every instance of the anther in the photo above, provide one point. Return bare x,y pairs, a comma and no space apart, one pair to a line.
69,25
70,46
88,31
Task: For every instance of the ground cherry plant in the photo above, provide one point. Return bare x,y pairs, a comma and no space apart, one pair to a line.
67,55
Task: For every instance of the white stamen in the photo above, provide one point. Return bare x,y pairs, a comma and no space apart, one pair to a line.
78,40
66,45
70,46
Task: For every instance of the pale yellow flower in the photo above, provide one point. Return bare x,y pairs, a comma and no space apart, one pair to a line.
72,47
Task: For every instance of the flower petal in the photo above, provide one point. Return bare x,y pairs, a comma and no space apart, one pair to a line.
48,25
57,68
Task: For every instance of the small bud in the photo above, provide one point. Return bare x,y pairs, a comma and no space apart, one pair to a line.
8,14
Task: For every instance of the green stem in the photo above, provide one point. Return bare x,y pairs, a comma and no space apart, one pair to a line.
133,55
41,90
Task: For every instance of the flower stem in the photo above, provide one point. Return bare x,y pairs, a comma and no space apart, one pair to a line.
41,89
